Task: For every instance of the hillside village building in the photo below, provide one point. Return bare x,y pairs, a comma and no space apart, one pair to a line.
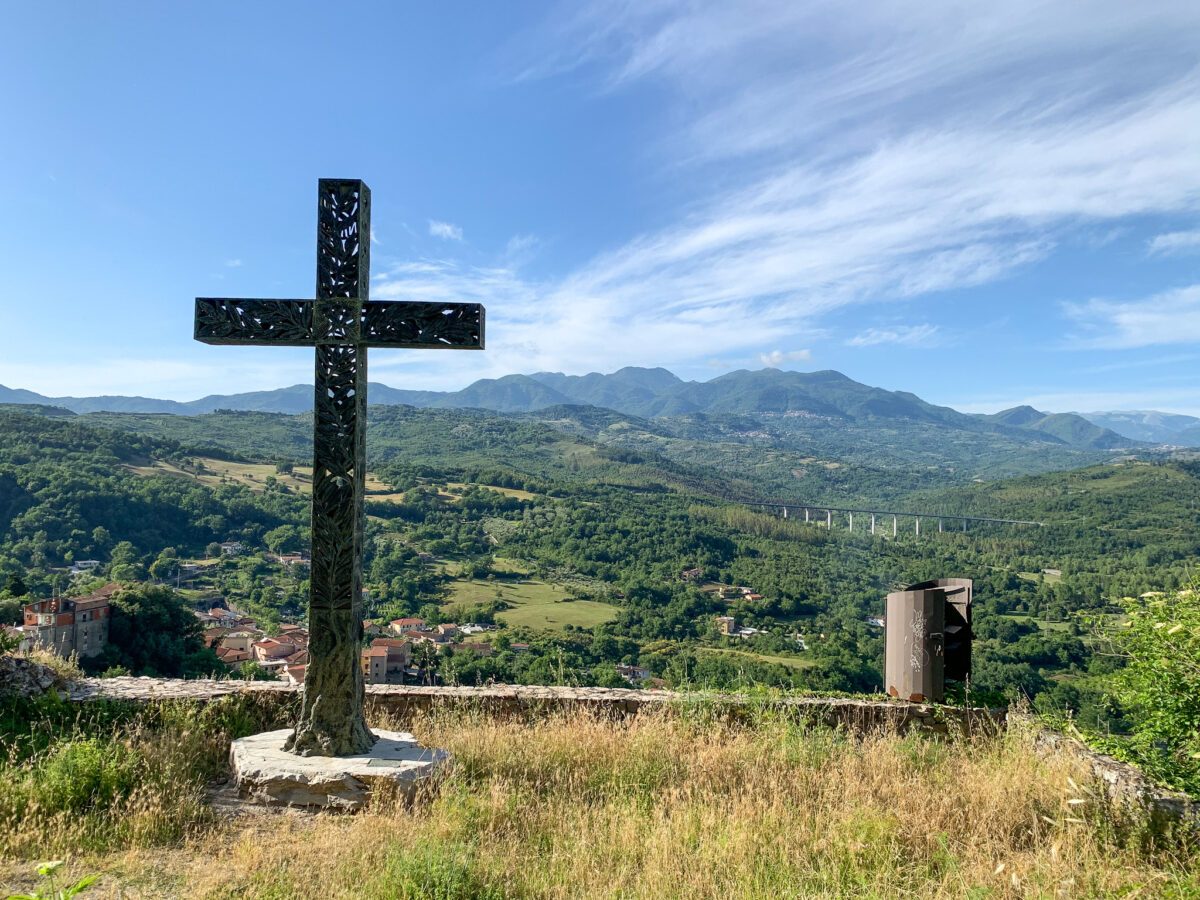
386,660
633,674
71,625
400,626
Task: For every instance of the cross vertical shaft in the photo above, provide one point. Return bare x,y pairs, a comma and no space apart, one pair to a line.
341,323
331,719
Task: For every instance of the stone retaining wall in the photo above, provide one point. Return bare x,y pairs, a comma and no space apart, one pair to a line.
400,701
1121,782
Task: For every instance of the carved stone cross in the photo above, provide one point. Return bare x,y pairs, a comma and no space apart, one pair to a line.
341,324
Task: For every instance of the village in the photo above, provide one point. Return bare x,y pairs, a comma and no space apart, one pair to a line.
396,651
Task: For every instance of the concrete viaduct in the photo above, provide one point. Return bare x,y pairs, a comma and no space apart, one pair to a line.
809,508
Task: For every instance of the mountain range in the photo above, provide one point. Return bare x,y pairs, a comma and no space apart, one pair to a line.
1149,425
650,393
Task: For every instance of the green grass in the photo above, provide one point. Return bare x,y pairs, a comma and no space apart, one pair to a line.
508,566
1040,623
535,604
792,662
1034,576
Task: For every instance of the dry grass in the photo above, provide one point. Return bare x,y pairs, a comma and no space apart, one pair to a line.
251,475
678,805
66,669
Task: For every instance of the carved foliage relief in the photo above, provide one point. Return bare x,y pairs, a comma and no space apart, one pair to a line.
425,325
343,238
254,321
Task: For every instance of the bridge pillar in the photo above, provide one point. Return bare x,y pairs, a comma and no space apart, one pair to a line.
829,519
872,523
851,521
806,514
893,526
785,512
918,526
939,526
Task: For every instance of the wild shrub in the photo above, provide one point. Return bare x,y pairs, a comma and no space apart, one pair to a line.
1159,686
85,773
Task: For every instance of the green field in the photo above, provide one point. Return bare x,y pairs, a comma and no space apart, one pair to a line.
1034,576
535,604
791,662
1040,623
508,566
459,487
252,475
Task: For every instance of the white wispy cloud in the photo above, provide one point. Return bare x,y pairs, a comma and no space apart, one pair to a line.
445,230
1169,317
520,248
777,358
883,156
1175,242
233,263
906,335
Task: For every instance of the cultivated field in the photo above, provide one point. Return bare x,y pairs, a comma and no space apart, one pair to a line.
213,472
792,662
459,487
536,604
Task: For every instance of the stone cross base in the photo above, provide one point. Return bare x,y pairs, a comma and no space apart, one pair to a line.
266,773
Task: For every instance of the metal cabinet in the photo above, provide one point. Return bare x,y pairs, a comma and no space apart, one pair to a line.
928,639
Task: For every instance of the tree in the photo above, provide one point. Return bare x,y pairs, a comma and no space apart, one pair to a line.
212,551
252,671
605,675
101,539
125,565
151,632
166,565
14,585
284,539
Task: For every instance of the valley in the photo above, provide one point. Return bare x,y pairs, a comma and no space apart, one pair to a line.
566,536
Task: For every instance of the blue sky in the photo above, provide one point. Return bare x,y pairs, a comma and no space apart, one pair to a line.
985,204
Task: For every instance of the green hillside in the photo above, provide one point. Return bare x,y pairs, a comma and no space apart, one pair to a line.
593,521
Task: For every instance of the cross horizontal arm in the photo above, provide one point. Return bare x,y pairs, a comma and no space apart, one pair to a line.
426,325
291,323
287,323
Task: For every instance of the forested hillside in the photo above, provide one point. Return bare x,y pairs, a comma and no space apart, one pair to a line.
72,491
576,544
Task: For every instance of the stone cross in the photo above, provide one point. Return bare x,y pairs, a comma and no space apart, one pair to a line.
341,324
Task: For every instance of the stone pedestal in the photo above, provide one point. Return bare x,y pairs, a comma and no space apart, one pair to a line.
266,773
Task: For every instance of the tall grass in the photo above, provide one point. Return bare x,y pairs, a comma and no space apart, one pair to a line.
664,805
97,776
